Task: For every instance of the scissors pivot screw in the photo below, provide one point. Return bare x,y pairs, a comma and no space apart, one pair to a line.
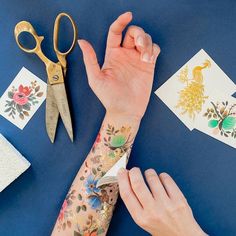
55,77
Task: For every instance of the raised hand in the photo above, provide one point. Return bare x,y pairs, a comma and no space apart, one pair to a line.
124,82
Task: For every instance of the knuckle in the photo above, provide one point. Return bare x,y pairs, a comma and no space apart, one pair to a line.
113,27
136,28
142,221
178,208
154,215
152,178
136,183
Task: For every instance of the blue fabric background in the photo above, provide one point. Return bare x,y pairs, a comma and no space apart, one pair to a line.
204,168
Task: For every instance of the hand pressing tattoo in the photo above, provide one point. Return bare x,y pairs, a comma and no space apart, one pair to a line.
159,208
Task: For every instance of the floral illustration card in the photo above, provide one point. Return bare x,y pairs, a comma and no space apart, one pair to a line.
218,118
188,89
22,98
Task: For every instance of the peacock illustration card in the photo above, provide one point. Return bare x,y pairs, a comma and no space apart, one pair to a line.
186,92
218,118
22,98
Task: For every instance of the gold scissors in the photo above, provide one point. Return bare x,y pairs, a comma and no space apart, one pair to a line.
56,102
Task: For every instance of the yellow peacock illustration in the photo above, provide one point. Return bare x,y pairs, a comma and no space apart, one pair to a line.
192,97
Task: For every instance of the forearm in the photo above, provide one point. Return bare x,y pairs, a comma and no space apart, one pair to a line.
87,210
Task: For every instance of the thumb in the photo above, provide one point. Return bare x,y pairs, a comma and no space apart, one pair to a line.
90,60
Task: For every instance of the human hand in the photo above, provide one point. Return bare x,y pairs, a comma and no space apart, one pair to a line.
162,210
124,82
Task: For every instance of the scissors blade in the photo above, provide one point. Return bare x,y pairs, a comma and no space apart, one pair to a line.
59,92
52,113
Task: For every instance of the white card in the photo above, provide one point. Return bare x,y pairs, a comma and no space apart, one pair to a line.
188,89
22,98
218,118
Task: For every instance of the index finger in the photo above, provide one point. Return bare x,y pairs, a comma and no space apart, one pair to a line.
114,37
132,203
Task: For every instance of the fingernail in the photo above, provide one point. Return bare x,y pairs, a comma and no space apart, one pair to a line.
164,175
156,49
121,171
146,57
128,12
140,41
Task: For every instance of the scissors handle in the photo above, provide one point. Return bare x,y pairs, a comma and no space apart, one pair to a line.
25,26
62,55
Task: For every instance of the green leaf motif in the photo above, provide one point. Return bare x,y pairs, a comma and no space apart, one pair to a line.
100,231
118,141
84,208
77,233
37,89
40,94
26,106
8,109
82,178
10,94
78,208
19,108
21,116
229,123
79,196
94,171
111,154
213,123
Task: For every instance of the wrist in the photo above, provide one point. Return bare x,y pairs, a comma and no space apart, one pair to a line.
122,117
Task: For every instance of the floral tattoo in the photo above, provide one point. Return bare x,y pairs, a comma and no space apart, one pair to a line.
87,207
222,119
21,100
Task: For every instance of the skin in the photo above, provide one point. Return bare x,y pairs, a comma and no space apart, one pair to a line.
123,85
160,207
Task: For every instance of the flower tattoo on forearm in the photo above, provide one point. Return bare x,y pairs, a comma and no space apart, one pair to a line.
87,209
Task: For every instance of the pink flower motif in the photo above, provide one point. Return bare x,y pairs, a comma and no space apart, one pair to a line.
21,97
62,211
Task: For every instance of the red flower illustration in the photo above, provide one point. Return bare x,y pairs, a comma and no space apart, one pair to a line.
25,90
98,139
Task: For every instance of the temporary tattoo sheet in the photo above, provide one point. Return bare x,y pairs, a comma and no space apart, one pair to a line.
187,90
218,118
111,175
22,98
